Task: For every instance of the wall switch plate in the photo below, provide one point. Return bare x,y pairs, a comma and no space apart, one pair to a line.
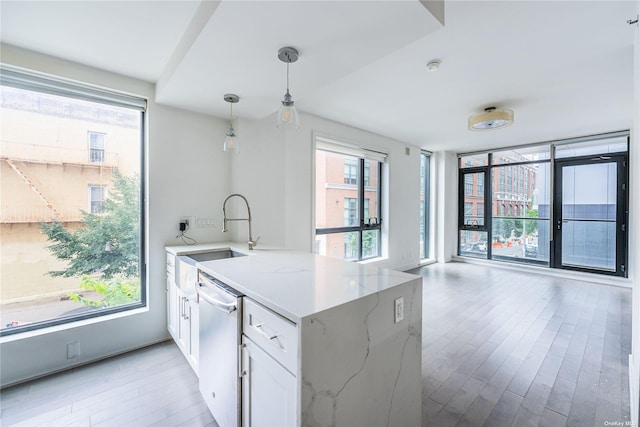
398,311
205,222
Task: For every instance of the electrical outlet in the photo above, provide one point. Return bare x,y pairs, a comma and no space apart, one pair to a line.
398,311
73,350
184,220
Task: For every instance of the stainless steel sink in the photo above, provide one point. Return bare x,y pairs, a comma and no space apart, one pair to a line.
187,273
213,255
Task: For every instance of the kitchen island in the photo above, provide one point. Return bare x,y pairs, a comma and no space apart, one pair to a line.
347,336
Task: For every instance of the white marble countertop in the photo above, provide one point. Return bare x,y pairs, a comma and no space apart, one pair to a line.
294,284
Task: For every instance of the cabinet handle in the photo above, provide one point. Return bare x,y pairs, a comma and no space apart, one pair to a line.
187,309
258,327
241,372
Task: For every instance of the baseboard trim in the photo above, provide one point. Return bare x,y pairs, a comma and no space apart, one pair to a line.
634,396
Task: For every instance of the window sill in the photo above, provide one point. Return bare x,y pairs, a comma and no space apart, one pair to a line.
372,260
71,325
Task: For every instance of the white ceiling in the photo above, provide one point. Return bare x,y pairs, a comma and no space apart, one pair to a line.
564,67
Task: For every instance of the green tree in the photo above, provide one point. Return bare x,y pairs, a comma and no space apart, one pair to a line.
531,226
106,245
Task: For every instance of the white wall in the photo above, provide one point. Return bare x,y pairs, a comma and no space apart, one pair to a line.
178,183
634,248
275,171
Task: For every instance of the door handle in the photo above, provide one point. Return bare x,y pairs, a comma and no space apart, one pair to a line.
559,224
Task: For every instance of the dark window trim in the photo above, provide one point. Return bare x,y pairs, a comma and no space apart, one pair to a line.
362,227
22,81
622,200
622,217
427,203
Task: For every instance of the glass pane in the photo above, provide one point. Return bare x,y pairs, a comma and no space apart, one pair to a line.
589,244
473,243
518,239
589,191
594,147
589,215
424,180
521,191
370,243
371,191
338,245
474,160
519,155
337,180
473,199
57,258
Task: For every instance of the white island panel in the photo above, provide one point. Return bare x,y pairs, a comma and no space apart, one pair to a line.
360,368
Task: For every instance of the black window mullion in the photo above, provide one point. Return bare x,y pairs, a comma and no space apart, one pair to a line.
488,204
360,204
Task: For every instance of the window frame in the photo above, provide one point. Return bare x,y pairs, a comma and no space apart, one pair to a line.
92,150
426,206
510,180
103,193
362,159
25,80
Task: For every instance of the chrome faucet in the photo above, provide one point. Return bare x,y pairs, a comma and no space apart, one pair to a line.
252,243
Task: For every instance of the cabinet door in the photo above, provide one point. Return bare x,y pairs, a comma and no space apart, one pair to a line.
268,390
194,334
184,330
173,309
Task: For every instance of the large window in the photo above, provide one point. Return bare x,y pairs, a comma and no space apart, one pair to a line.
348,189
425,159
577,220
71,218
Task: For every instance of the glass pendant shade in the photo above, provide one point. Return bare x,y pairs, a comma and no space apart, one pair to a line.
231,142
288,115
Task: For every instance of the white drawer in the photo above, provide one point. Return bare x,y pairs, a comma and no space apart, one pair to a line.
272,332
171,265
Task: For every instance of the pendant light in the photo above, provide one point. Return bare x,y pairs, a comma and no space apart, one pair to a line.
288,115
490,118
231,142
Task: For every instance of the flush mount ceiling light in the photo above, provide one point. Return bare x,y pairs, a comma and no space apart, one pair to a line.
490,118
288,115
231,142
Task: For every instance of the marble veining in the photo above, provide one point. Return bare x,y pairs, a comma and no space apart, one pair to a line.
412,333
359,367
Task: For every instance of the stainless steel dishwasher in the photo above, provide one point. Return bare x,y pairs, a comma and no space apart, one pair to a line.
220,338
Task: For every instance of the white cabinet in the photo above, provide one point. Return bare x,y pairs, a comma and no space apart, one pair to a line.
269,356
268,389
172,298
182,317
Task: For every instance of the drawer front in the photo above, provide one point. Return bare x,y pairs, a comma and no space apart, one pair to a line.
171,265
272,332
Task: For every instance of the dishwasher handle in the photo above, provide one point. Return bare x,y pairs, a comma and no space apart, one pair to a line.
224,306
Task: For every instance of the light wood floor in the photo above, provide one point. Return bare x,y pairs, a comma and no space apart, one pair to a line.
501,348
508,348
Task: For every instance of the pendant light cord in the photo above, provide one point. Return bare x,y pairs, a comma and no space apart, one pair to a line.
287,77
231,113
